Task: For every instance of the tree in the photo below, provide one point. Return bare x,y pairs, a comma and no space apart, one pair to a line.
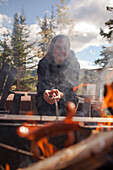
53,26
17,52
20,44
5,49
63,19
47,33
21,49
107,53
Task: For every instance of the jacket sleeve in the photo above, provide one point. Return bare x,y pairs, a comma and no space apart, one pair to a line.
42,83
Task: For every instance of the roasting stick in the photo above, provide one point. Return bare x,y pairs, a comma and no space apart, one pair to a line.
56,105
77,106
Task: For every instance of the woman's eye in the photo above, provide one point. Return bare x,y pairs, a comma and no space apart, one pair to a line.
61,48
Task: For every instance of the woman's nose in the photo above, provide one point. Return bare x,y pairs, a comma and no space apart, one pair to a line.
62,50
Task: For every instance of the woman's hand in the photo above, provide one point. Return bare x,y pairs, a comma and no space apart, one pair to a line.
51,95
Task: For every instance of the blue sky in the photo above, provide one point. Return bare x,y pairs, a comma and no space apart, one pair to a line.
32,8
89,16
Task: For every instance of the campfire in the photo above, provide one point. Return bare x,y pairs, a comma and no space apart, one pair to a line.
39,135
90,133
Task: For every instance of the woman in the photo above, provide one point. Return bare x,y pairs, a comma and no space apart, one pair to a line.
58,73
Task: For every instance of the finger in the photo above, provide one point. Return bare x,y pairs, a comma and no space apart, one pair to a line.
45,95
61,94
56,91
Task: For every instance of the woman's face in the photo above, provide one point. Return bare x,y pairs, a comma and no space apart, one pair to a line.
60,51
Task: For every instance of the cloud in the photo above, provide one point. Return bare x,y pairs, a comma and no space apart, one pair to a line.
84,64
34,29
5,20
4,30
89,17
5,2
5,24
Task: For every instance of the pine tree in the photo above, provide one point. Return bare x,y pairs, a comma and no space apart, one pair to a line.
20,43
15,50
5,49
47,33
107,53
21,49
54,25
63,18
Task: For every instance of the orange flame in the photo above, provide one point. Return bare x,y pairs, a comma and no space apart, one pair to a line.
108,99
108,102
80,85
46,148
7,166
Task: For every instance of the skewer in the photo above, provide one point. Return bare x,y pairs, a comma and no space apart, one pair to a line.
56,105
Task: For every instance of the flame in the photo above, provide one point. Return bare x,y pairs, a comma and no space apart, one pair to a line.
108,99
108,103
46,148
80,85
100,106
100,126
7,166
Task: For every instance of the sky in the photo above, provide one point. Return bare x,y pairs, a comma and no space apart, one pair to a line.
89,16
